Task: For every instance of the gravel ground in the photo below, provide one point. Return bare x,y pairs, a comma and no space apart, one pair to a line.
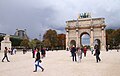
59,63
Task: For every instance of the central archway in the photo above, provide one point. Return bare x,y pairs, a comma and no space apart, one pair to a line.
84,39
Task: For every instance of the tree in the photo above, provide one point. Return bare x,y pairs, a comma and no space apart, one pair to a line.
113,38
32,44
50,38
35,43
109,37
25,43
61,41
1,38
16,41
116,37
46,43
38,43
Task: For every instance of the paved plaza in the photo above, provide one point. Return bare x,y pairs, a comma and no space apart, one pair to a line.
59,63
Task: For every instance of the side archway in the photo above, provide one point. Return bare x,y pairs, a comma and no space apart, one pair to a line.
73,42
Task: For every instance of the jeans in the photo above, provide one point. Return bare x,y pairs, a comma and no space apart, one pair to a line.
5,56
97,58
37,64
74,57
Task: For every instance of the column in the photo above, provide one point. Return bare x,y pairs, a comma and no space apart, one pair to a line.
103,40
91,35
91,38
102,35
77,36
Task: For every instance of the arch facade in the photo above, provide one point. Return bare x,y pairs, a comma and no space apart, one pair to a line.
94,27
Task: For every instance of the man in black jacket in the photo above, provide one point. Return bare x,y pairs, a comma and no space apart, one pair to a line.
97,53
37,61
73,51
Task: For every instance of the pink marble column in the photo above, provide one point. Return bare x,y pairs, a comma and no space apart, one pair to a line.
77,36
91,38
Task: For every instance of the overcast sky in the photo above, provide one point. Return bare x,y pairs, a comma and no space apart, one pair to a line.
37,16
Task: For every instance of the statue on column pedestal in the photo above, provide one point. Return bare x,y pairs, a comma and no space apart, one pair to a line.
6,42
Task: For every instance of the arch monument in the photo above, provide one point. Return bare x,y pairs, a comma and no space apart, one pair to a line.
85,24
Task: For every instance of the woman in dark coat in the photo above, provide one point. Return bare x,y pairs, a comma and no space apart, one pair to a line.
73,51
97,53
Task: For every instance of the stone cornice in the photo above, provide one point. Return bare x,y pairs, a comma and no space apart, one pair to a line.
86,27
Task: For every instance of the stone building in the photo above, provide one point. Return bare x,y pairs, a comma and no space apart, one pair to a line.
21,33
85,24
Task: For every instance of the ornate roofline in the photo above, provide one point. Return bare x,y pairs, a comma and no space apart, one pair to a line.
84,27
85,19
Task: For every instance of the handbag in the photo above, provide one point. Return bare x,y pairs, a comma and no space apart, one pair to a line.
40,61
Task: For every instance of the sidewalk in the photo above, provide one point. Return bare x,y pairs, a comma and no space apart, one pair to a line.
59,63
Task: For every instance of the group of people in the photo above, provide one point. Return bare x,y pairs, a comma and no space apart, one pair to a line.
74,51
36,53
77,53
43,52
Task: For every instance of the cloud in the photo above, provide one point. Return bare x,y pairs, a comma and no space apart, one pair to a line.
37,16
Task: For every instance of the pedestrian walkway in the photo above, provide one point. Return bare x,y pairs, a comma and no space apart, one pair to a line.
59,63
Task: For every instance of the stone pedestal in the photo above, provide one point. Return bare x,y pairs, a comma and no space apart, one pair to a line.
6,43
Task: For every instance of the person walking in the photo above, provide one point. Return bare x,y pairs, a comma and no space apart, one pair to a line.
79,54
24,50
97,53
73,51
43,52
37,61
14,51
85,50
33,55
5,55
